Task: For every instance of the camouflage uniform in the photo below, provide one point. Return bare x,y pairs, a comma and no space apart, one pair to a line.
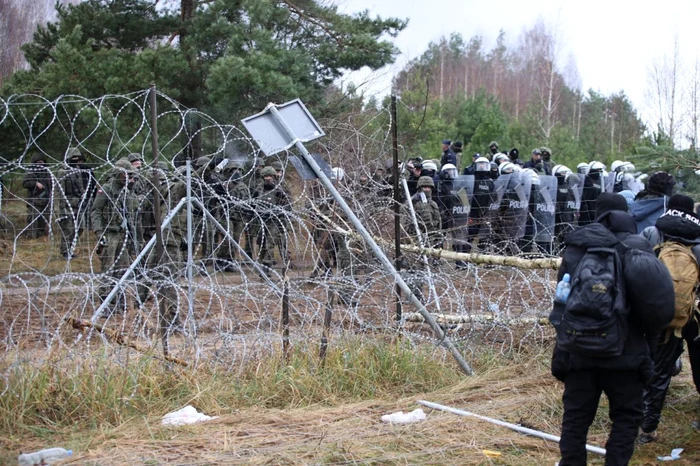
254,182
173,263
38,198
237,196
430,225
272,204
113,222
71,200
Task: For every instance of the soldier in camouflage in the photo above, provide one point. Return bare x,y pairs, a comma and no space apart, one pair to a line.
113,223
37,182
237,195
252,222
71,200
429,224
272,206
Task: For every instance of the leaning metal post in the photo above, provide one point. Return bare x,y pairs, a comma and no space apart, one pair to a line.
133,265
379,254
190,261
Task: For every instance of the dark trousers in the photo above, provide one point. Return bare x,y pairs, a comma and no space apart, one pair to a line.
665,358
691,334
582,390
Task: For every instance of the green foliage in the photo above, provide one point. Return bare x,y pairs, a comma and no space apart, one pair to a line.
230,59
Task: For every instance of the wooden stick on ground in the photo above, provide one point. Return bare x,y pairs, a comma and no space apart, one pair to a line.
118,338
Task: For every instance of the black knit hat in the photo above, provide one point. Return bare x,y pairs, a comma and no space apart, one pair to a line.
681,202
609,201
661,183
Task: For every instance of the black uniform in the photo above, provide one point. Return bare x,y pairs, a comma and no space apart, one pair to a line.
592,187
481,201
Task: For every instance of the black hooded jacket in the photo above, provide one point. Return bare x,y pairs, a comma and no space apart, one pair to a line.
618,229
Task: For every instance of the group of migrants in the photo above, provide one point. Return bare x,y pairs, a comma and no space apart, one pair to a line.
633,278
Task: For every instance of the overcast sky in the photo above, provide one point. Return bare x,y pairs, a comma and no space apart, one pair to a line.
613,42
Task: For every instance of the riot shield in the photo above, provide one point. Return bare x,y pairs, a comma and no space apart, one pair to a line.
609,180
576,187
463,189
544,209
517,196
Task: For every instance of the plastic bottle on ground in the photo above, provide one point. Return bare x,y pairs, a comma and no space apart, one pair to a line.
46,456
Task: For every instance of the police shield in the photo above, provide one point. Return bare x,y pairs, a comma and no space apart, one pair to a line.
499,190
544,209
609,181
576,187
516,198
463,189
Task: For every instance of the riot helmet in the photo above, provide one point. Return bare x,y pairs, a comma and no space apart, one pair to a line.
337,174
429,166
482,164
507,168
532,173
501,158
448,172
583,168
597,167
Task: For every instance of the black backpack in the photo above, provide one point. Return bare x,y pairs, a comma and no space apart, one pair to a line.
594,322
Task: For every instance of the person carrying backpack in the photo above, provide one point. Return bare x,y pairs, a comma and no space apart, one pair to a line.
620,296
676,241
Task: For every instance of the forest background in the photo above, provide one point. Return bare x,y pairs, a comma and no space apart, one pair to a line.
229,58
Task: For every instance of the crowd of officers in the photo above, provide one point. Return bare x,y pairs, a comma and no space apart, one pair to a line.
495,211
118,207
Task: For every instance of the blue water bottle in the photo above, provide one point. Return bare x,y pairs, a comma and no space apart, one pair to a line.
563,289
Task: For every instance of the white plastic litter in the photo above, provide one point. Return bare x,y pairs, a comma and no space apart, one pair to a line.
675,455
186,415
404,418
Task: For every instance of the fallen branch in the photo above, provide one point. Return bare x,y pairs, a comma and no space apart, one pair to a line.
80,324
484,259
466,318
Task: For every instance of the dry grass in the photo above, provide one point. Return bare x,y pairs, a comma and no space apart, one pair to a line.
336,427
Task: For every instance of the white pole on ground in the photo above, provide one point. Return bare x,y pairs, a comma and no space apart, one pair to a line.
515,427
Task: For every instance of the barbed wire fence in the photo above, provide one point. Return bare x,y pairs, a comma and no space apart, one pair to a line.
227,306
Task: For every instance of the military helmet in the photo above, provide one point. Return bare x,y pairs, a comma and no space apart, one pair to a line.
133,157
545,149
123,164
277,165
493,144
74,153
202,161
425,181
38,157
235,164
268,171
